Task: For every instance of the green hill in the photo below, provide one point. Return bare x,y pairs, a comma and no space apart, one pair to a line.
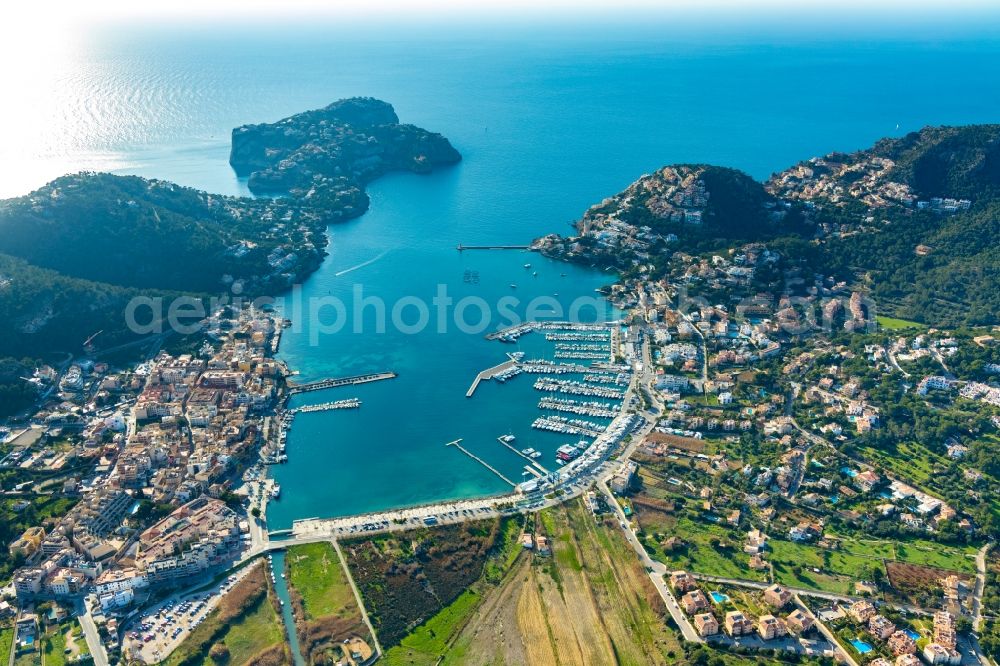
321,155
961,162
135,232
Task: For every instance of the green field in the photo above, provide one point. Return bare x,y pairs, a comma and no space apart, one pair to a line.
6,642
698,555
315,571
892,324
840,568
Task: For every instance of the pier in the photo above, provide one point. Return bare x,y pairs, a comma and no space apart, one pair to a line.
462,248
511,333
457,444
340,381
530,460
489,373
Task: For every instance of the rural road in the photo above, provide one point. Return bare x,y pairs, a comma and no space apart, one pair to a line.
357,597
656,571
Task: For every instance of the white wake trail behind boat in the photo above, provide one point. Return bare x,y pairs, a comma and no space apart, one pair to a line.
362,264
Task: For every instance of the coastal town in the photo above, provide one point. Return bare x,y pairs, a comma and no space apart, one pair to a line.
721,441
748,462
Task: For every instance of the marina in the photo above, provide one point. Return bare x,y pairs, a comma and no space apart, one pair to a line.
597,409
527,454
576,388
576,337
622,379
570,346
566,426
582,355
543,367
349,403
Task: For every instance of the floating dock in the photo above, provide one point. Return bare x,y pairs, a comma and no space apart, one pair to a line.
530,460
489,373
458,445
340,381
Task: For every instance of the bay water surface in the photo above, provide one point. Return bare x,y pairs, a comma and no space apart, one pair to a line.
548,122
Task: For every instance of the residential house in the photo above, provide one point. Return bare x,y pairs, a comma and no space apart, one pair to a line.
902,643
861,611
777,596
682,581
694,601
881,627
935,653
706,624
738,624
769,627
799,621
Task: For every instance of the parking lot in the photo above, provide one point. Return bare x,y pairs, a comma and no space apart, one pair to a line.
165,626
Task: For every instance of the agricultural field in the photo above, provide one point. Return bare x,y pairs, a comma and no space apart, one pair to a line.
590,602
325,608
917,584
244,629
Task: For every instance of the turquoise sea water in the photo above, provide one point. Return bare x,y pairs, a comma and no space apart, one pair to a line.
548,123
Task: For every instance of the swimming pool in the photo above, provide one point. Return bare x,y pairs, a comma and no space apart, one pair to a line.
719,597
861,646
912,634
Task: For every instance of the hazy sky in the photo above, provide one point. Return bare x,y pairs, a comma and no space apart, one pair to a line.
47,11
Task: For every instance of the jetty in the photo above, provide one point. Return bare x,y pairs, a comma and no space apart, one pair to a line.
490,373
334,382
458,445
462,248
511,333
531,462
